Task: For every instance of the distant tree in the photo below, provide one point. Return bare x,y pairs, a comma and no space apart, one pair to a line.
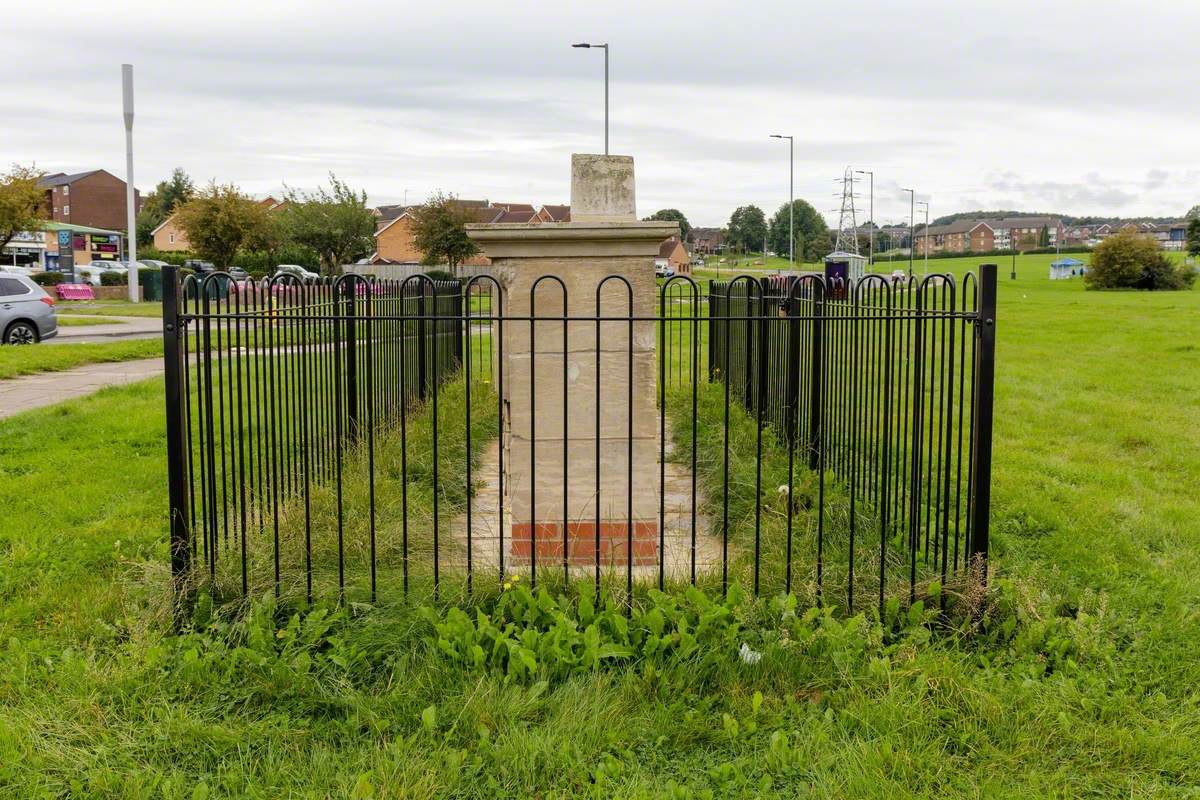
1193,236
334,222
1193,213
812,241
439,231
747,229
1044,236
161,202
672,215
1129,260
220,221
21,202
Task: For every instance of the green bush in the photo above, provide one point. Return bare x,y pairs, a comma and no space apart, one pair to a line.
440,275
1129,260
48,278
113,279
264,263
176,257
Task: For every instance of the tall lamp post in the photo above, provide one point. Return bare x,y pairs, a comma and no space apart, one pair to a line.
130,205
604,47
871,176
926,248
791,197
912,208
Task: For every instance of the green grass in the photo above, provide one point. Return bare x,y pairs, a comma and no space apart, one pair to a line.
16,361
1095,519
117,308
83,320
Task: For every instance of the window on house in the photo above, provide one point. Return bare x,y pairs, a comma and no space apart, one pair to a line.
171,238
67,210
66,191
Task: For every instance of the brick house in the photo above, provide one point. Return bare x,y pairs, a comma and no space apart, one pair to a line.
554,214
170,236
394,238
673,254
706,240
95,199
984,235
394,232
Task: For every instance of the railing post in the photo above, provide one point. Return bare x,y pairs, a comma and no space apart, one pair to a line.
712,331
461,309
816,389
422,344
793,368
177,477
981,414
351,287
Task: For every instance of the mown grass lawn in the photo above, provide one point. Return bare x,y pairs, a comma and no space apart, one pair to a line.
118,308
1096,522
84,320
17,361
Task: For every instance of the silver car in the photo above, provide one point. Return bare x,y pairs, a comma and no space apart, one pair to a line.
26,311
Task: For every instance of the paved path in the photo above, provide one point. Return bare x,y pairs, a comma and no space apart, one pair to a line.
46,388
127,328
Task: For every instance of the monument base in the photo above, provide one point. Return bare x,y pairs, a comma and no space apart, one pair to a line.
580,542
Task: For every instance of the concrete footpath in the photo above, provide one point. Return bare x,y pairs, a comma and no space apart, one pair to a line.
47,388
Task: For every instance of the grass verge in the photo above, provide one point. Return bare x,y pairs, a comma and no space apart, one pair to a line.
17,361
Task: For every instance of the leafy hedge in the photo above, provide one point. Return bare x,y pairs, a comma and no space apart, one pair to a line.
48,278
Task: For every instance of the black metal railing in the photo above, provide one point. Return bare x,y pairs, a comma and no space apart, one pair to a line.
357,436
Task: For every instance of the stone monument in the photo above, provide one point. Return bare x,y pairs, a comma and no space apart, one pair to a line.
580,438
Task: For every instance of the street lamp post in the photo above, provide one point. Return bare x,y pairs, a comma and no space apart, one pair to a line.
912,208
791,198
871,232
926,248
604,47
130,204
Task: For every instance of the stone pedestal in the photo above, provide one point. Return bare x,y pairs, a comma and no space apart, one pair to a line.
580,441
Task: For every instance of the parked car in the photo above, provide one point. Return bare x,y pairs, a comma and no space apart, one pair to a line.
300,272
200,266
90,273
153,263
26,312
664,271
238,274
13,269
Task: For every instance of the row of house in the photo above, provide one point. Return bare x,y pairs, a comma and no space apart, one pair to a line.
1170,235
987,234
1027,233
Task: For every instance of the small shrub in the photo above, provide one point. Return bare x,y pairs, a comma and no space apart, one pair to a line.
48,278
1129,260
440,275
113,279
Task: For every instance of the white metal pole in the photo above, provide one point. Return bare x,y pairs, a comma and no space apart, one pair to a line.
792,202
927,238
130,205
872,261
606,98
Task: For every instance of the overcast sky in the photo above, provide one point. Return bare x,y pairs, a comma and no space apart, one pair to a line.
1080,108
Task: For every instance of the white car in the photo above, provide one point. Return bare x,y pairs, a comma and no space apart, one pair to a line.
90,273
12,269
